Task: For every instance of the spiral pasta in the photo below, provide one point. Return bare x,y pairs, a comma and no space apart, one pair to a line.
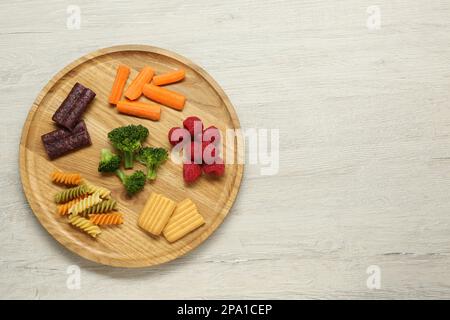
85,203
102,207
106,218
103,192
66,178
70,194
85,225
63,209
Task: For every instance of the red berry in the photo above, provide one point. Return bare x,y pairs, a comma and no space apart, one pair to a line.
177,134
194,152
216,169
194,125
198,136
191,172
211,134
209,152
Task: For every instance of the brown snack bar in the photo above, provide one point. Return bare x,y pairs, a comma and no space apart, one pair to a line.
68,103
68,144
75,114
62,133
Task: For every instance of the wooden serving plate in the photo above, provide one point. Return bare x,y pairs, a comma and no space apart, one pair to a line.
127,245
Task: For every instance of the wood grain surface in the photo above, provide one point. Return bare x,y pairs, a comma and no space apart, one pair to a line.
128,245
364,173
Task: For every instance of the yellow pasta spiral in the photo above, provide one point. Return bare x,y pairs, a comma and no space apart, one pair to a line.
103,206
85,225
103,192
66,178
70,194
106,218
63,209
85,203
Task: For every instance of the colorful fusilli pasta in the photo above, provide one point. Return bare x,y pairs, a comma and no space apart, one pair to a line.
102,207
85,225
63,209
92,188
106,218
66,178
70,194
85,203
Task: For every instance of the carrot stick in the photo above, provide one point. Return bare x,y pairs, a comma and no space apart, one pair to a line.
119,83
134,91
169,77
164,96
139,109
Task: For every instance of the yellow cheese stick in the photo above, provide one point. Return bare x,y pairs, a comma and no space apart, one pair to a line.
184,219
156,213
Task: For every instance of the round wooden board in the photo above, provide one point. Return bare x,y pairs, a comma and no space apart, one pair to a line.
127,245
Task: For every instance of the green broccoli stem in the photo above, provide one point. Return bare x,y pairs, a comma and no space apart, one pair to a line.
151,172
129,160
105,153
122,176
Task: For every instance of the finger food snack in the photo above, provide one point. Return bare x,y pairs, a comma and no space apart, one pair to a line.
62,133
85,203
66,106
134,90
106,218
71,143
63,208
85,225
164,96
139,109
191,172
184,219
156,213
102,207
122,74
73,107
70,194
169,77
66,178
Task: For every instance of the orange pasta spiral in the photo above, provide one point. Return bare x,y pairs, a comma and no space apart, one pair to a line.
63,209
106,218
66,178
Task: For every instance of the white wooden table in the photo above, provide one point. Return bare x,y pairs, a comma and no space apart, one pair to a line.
364,120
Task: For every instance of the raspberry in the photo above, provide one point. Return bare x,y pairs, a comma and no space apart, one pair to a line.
191,172
192,123
216,169
194,152
211,134
177,134
198,136
209,152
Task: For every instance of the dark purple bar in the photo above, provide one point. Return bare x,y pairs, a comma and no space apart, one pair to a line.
68,103
62,133
75,114
67,144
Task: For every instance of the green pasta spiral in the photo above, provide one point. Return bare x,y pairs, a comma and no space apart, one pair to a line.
70,194
102,207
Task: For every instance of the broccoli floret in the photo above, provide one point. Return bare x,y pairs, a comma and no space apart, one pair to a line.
152,158
109,162
128,140
134,182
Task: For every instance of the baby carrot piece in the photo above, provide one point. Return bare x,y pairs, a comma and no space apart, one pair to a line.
119,83
139,109
134,91
164,96
169,77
